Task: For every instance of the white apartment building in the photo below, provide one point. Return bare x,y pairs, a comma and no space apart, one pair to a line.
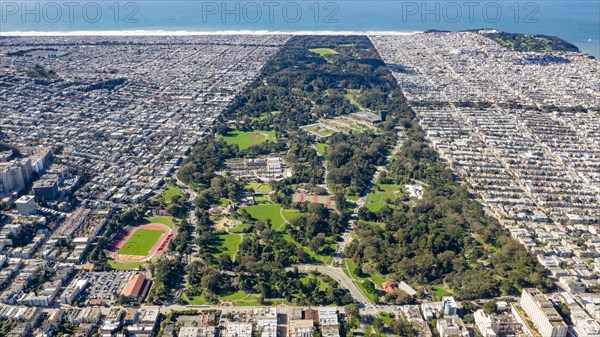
545,318
301,328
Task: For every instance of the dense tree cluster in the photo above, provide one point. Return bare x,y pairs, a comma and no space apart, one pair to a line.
211,281
352,158
444,237
529,43
315,224
166,274
207,157
181,241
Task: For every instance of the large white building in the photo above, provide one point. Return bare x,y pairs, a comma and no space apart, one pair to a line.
449,306
25,204
496,325
451,326
545,318
301,328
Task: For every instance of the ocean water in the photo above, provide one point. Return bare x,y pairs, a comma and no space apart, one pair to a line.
577,21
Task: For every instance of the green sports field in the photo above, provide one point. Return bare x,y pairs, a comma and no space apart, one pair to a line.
247,139
141,242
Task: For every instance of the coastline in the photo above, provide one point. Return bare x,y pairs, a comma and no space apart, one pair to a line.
584,47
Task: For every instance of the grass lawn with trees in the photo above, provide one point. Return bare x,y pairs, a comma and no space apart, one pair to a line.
265,188
379,196
350,96
324,52
194,300
253,185
239,229
321,147
439,292
172,191
261,199
229,244
165,220
273,212
348,266
126,266
353,198
141,242
247,139
316,257
387,318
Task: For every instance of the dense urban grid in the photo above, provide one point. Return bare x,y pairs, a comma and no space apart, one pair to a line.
433,184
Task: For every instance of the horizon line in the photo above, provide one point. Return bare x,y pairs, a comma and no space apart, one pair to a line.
160,32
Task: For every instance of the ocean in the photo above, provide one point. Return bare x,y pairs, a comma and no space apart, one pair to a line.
576,21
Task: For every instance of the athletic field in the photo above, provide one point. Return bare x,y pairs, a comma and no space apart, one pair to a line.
141,242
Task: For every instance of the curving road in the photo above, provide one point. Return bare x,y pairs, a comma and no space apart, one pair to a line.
346,282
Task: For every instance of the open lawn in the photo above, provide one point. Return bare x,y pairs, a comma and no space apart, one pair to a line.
264,188
321,147
316,258
439,292
324,52
387,318
261,198
241,298
265,115
195,300
239,228
172,191
247,139
121,265
259,187
224,202
378,280
353,198
253,185
165,220
379,196
271,211
229,244
350,96
141,242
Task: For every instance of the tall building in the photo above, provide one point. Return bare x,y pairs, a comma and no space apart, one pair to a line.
449,306
46,188
545,318
14,175
25,204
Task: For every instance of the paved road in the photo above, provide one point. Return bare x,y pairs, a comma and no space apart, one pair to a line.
347,237
346,282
